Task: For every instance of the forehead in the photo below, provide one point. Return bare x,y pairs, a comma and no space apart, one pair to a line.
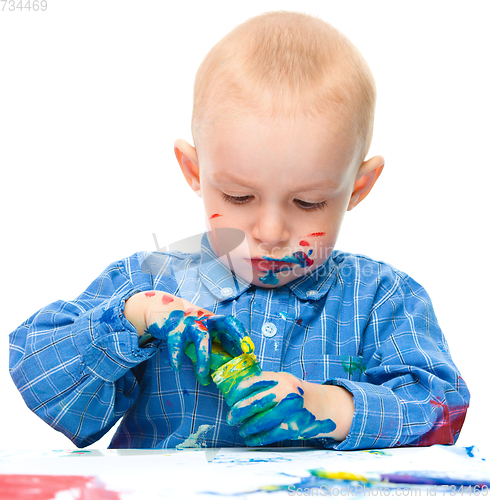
303,152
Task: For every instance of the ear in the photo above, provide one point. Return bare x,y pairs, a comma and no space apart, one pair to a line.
189,164
366,177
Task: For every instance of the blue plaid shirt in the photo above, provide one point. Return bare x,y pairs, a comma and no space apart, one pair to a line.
353,322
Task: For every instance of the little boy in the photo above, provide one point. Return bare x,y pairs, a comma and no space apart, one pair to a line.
350,349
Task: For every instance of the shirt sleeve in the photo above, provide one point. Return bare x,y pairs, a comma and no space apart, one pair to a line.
74,362
410,393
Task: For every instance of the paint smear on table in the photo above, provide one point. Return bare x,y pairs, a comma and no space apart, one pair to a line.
196,440
40,487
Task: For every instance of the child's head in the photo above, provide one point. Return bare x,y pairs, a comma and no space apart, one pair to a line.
284,65
282,122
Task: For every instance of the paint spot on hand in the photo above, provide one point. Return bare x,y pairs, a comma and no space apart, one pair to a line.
188,311
149,294
200,325
215,215
166,299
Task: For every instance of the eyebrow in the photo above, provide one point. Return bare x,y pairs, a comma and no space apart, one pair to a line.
330,186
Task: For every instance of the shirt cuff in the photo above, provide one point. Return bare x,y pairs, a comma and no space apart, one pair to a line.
378,416
108,342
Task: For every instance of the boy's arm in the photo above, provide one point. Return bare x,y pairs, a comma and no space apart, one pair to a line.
72,361
410,392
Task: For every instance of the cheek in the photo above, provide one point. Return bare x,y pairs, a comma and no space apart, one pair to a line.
318,245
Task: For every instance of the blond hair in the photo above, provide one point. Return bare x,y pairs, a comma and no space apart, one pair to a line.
283,65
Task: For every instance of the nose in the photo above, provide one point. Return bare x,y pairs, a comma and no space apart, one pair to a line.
271,227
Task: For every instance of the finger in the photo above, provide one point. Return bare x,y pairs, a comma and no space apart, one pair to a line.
174,330
290,429
285,410
176,346
228,330
274,435
245,389
249,407
202,341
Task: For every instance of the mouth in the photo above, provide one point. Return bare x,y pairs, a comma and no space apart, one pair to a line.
276,266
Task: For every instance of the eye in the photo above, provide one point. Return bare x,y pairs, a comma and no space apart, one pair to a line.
305,205
237,200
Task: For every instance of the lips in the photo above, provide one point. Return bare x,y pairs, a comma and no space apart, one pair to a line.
270,265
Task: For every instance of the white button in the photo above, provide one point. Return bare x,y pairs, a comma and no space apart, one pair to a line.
311,293
226,292
269,329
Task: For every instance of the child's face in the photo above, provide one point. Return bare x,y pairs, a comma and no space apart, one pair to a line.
286,187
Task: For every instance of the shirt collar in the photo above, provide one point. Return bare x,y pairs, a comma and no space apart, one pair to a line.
218,278
225,285
315,285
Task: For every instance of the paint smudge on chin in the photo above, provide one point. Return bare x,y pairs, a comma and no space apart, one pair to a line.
166,299
40,487
214,216
317,234
270,278
304,243
149,294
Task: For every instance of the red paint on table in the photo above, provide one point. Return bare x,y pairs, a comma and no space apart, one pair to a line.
316,234
149,294
304,243
166,299
40,487
215,215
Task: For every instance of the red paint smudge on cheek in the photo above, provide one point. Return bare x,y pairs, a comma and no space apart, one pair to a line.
34,487
316,234
149,294
214,216
166,299
304,243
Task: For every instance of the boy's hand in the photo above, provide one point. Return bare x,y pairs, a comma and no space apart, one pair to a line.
167,317
272,407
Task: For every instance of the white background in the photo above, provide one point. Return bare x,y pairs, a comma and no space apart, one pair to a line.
94,93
